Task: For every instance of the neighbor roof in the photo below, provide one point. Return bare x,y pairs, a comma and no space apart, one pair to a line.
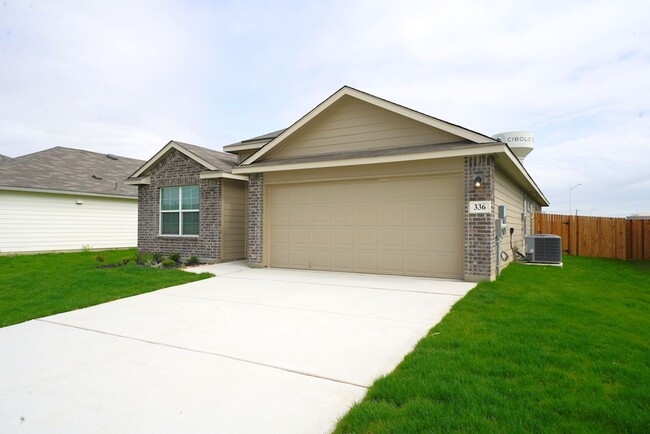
212,160
4,158
71,170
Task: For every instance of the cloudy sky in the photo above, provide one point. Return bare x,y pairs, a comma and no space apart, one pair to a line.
125,77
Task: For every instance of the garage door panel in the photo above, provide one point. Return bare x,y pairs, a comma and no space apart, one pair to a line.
391,239
320,260
300,237
418,239
281,236
342,260
417,265
365,238
299,215
410,226
391,263
366,262
320,215
321,237
365,213
342,237
389,214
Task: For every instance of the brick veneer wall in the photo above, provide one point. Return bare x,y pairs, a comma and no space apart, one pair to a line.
255,218
480,254
176,169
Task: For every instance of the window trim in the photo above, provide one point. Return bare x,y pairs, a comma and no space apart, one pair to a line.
180,211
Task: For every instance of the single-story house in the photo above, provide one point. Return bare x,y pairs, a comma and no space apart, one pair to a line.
358,184
64,199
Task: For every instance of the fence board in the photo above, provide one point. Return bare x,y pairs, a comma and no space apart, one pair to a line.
603,237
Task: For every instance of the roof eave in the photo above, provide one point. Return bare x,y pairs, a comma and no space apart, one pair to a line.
371,99
68,192
160,154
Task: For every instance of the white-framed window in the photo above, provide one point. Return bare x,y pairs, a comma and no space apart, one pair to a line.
179,210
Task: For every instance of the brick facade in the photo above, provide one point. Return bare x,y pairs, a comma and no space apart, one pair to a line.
480,253
255,218
176,169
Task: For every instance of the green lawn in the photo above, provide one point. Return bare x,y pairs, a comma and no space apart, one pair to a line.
33,286
543,349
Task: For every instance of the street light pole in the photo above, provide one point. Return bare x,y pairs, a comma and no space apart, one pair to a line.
571,189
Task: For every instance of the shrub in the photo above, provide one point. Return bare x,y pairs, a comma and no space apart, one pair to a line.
176,257
158,257
100,258
193,260
168,263
144,258
128,259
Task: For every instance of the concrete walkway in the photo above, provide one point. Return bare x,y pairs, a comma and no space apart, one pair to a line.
249,351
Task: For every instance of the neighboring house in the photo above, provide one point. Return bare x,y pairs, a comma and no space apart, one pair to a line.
64,199
358,184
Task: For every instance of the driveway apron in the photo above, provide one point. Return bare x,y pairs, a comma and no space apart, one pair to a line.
248,351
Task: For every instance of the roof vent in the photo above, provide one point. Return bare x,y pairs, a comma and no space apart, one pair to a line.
112,157
521,143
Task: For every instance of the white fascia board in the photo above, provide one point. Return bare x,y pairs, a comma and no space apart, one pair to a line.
513,160
449,153
371,99
145,180
164,150
69,193
213,175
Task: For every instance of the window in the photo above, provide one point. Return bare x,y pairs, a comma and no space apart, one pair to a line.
179,210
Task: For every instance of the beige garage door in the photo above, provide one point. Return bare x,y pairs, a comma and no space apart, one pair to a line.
408,226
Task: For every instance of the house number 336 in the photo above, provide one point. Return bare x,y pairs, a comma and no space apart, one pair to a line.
482,206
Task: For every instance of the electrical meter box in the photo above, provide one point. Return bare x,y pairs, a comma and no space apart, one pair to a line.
502,213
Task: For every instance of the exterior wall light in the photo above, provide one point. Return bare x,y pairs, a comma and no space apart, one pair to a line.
477,181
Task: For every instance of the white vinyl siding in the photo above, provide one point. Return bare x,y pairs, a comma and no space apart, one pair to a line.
353,125
41,222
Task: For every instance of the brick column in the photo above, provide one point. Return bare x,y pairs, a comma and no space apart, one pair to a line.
480,253
255,218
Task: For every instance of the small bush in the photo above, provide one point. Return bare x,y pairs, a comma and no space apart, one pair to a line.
100,258
176,257
144,258
168,263
129,259
158,257
193,260
85,247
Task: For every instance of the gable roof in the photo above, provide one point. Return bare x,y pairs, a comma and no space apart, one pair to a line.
209,158
68,170
4,158
283,135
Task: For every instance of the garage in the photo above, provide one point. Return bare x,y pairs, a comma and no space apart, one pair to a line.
401,225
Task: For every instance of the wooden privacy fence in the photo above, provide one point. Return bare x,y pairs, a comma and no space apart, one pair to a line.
602,237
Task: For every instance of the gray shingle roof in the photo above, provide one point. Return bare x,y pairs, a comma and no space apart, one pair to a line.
267,136
4,158
67,169
223,161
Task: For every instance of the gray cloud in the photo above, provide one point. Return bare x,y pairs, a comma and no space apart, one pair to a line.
126,77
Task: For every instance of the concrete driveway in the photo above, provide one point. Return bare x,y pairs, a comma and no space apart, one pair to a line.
251,351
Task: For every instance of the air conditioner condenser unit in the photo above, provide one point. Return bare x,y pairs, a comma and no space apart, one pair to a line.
544,249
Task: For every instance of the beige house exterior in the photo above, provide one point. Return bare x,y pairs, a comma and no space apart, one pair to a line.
361,184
